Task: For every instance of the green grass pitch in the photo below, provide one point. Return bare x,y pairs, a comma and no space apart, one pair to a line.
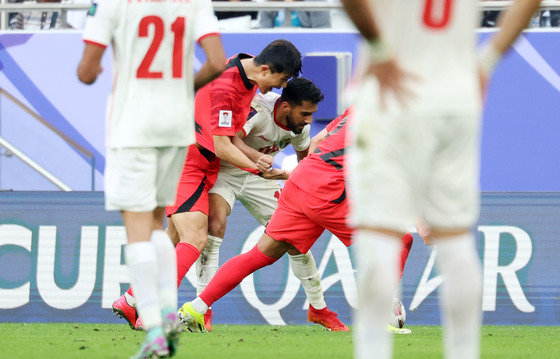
67,340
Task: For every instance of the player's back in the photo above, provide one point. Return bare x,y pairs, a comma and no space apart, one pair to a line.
322,172
153,90
436,40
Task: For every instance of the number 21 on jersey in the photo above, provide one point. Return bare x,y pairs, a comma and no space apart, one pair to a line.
437,13
178,29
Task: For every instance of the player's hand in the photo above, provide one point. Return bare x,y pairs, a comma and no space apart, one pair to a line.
265,162
393,80
275,174
424,231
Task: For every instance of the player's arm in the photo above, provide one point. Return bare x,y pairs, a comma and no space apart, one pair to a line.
511,23
215,61
262,160
382,63
97,34
318,138
227,151
90,64
359,11
302,154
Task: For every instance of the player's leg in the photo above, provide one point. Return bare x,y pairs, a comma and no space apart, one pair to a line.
189,214
222,200
208,262
288,226
406,246
230,274
451,209
192,228
131,186
382,189
260,197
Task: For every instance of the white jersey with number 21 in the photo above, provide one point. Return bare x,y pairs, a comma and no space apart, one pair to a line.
151,103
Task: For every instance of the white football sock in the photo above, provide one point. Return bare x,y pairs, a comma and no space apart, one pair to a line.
378,261
167,269
461,295
199,305
208,262
143,268
130,299
304,267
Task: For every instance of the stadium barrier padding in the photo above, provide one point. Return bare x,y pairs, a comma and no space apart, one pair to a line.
61,260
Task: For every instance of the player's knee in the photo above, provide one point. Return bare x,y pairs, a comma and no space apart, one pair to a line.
217,226
193,233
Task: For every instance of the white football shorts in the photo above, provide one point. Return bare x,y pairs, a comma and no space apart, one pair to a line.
404,166
258,195
139,179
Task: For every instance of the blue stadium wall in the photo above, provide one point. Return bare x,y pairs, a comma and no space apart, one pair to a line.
521,127
61,260
61,253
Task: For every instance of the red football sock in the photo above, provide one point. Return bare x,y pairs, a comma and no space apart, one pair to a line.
233,272
187,254
406,244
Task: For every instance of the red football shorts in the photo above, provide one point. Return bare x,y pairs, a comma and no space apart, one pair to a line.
301,218
199,175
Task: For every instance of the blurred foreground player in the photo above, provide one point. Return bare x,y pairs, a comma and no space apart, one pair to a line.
150,119
419,155
221,110
313,199
275,122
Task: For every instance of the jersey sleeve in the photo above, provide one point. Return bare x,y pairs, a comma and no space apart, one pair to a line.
253,121
301,142
206,21
223,114
100,23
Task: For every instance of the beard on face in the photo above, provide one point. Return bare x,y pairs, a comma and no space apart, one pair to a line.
293,125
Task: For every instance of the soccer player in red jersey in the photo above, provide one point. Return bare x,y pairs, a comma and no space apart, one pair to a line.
313,199
221,110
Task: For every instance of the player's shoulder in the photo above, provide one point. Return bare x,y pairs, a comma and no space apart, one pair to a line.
103,8
265,101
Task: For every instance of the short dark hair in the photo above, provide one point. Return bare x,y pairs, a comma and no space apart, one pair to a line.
301,89
281,56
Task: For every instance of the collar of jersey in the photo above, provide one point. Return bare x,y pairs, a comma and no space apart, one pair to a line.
236,61
274,116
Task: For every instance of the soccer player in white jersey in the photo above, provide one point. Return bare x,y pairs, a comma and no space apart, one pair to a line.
415,153
150,123
274,122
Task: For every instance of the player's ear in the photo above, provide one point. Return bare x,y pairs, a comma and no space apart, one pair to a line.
264,70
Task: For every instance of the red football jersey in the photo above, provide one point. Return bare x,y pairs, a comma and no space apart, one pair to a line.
322,172
222,106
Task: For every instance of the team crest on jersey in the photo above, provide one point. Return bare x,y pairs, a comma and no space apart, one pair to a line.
92,9
225,118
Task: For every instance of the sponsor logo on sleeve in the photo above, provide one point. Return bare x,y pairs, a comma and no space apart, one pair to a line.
225,118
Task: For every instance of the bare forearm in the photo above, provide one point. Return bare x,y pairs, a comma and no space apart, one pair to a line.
251,153
316,140
227,151
512,22
360,12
